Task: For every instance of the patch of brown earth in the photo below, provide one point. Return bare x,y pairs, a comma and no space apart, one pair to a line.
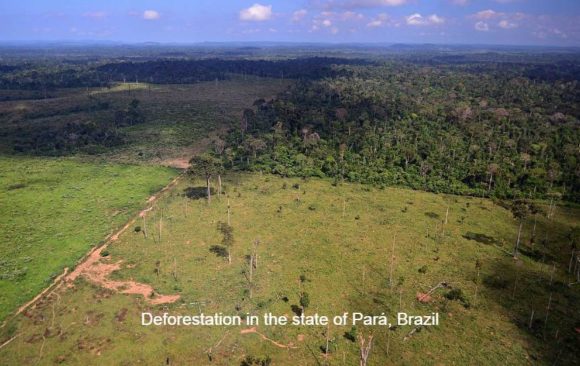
255,331
424,298
98,273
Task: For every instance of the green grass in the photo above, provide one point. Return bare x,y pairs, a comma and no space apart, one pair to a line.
53,210
346,258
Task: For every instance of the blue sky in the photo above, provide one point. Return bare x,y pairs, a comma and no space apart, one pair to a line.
528,22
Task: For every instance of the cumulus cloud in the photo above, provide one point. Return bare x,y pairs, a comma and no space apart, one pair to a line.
481,26
298,15
507,25
256,13
486,14
417,19
151,15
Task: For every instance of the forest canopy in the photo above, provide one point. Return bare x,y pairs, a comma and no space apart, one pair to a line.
447,129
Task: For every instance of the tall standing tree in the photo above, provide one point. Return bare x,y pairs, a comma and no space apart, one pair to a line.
520,210
228,238
205,165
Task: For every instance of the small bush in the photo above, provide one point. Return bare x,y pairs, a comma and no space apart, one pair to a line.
256,361
137,229
305,300
423,269
351,334
457,294
219,250
105,253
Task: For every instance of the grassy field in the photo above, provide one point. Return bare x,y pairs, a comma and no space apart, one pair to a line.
54,210
340,239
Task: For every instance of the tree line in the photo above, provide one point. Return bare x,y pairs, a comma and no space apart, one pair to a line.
436,129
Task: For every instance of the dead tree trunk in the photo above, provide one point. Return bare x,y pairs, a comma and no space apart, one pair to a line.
392,262
518,240
208,190
365,349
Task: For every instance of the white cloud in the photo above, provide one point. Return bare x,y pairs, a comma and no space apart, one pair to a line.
351,15
326,23
298,15
481,26
256,13
486,14
151,15
435,19
417,19
385,2
95,14
507,25
354,4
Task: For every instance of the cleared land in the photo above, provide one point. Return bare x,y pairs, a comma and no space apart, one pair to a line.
179,120
54,210
340,239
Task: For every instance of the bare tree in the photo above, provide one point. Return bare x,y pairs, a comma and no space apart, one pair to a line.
365,349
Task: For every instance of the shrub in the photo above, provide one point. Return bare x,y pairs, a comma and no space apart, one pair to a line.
304,300
457,294
256,361
351,334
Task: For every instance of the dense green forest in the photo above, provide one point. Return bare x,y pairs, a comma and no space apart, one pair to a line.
467,129
488,124
164,71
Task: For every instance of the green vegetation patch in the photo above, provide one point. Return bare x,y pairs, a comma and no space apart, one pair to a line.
53,210
357,251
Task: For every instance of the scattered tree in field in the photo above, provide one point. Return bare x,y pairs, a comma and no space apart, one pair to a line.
207,166
253,265
228,238
304,299
520,210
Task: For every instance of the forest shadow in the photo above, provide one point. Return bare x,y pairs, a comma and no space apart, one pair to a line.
219,251
540,305
196,193
480,238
